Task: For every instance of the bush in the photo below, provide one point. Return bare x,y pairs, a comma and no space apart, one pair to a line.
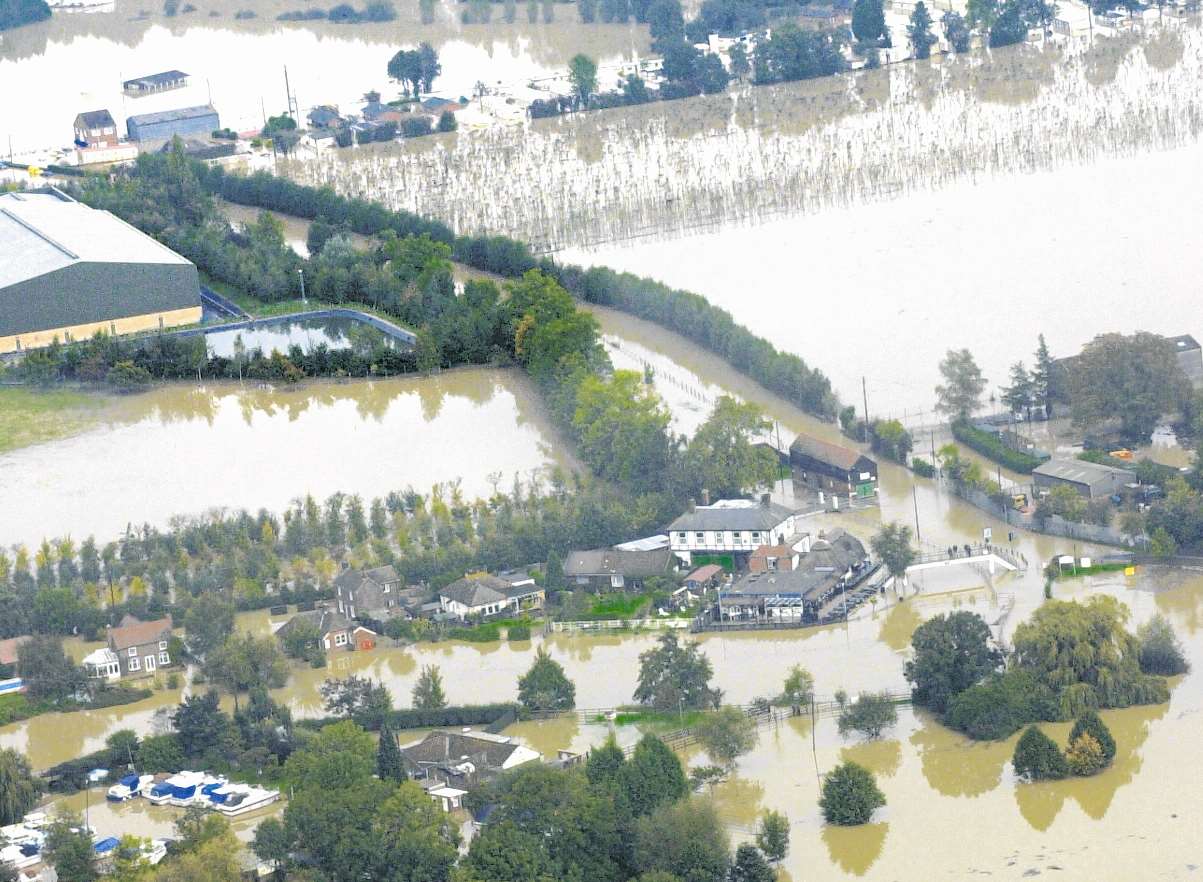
869,714
923,468
516,633
416,127
1085,755
447,121
1090,724
1160,651
990,447
1001,705
850,795
1038,758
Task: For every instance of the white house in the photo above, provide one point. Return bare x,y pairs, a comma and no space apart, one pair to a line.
483,595
734,527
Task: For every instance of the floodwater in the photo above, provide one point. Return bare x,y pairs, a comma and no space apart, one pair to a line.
181,450
881,291
76,62
954,808
280,334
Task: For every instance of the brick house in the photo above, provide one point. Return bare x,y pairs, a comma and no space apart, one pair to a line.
335,630
141,647
371,595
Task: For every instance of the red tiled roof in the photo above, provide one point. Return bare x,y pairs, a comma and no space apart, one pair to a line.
8,649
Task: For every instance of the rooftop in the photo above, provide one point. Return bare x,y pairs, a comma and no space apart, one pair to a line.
9,648
1184,342
828,560
96,119
1078,471
450,748
158,79
614,561
732,514
135,632
46,230
825,451
178,113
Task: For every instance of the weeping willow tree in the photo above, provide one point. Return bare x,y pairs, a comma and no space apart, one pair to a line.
1083,652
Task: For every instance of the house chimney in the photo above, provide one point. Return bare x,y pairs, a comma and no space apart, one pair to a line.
705,496
765,499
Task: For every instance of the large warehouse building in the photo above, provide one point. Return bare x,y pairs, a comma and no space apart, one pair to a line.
68,271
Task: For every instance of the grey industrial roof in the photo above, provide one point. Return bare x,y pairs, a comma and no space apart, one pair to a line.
179,113
732,514
45,231
1077,470
167,76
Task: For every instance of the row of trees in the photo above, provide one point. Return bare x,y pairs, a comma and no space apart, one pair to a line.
1091,749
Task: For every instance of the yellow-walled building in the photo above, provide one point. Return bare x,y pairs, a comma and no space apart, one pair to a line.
68,271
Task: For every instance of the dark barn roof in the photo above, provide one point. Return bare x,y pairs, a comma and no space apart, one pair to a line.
164,78
825,452
614,561
63,263
96,119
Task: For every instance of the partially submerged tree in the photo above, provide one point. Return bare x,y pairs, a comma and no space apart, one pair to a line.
773,836
892,545
428,691
951,653
672,676
1037,757
726,734
871,714
850,795
545,686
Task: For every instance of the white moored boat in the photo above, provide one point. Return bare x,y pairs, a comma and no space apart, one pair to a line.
238,799
129,787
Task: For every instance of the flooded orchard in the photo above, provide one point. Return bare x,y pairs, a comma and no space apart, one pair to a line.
179,449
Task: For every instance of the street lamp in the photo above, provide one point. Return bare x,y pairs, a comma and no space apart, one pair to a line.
301,273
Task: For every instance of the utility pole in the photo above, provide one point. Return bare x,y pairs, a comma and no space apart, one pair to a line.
288,95
864,391
915,499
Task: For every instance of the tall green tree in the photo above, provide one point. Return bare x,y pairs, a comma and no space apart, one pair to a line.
245,662
46,669
870,714
961,392
676,677
582,71
684,838
919,31
653,776
1135,378
750,866
892,545
951,652
406,67
773,836
389,764
1020,395
1043,382
545,686
868,20
69,849
428,691
19,789
207,623
721,456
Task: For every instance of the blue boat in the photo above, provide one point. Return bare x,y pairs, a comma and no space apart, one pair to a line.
104,846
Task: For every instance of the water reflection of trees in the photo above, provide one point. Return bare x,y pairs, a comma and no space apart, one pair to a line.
880,757
955,766
1040,803
855,849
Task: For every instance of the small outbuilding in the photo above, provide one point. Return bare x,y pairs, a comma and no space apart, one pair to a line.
833,467
1089,479
603,568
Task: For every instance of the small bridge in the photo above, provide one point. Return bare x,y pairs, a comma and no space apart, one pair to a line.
992,556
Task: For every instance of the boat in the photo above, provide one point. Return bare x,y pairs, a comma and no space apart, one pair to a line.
22,842
239,799
21,856
105,846
129,787
154,851
179,789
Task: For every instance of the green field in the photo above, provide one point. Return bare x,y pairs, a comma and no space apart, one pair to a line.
32,416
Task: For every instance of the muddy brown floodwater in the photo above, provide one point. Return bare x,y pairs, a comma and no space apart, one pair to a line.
180,449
